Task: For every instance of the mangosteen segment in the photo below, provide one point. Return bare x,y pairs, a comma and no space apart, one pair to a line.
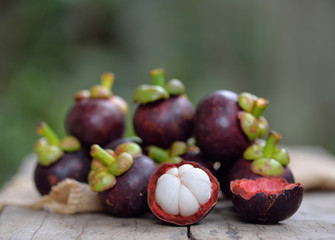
182,193
266,200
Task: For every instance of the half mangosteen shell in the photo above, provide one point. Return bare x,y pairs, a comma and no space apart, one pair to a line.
179,219
95,121
217,128
74,165
165,121
242,169
267,207
128,198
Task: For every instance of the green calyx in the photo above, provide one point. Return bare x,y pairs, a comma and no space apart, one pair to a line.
268,160
108,164
159,90
171,155
253,124
50,148
101,91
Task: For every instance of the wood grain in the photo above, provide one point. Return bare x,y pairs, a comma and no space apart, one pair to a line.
315,219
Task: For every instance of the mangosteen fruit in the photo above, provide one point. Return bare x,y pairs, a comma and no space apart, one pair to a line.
98,116
180,151
266,200
259,160
182,193
226,123
58,160
121,178
164,114
114,144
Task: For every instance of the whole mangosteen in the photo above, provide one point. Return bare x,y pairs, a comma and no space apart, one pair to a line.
259,160
58,160
266,200
97,117
226,123
164,114
182,193
121,179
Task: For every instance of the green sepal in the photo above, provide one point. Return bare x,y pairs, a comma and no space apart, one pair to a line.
175,159
253,152
104,156
267,167
131,148
247,101
149,93
100,92
282,156
177,148
101,180
123,163
46,153
175,87
69,144
263,127
249,125
158,154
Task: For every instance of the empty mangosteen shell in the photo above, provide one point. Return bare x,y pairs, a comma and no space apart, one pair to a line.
164,121
217,128
74,165
242,169
178,219
128,198
95,121
269,209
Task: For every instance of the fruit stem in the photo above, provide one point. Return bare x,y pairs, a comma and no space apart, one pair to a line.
101,154
158,77
260,107
270,145
107,80
44,130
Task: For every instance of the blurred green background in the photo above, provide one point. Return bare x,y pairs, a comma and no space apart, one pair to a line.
281,50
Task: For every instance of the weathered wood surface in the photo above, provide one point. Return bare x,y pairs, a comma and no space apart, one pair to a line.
315,219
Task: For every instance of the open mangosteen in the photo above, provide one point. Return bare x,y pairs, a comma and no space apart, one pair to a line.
164,114
266,200
180,151
259,160
121,178
58,160
182,193
98,116
226,123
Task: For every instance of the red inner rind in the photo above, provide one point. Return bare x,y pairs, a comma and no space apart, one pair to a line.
247,188
178,219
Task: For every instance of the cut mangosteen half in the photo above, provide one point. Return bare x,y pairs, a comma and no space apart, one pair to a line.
182,193
266,200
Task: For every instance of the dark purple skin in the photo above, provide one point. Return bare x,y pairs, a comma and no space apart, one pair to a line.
200,159
128,198
75,165
269,209
241,169
95,121
164,121
217,129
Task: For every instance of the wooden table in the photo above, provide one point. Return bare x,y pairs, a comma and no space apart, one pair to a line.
315,219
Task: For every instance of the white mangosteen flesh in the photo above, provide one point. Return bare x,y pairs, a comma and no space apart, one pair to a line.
182,190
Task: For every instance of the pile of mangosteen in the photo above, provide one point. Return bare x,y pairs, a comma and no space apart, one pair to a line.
180,159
